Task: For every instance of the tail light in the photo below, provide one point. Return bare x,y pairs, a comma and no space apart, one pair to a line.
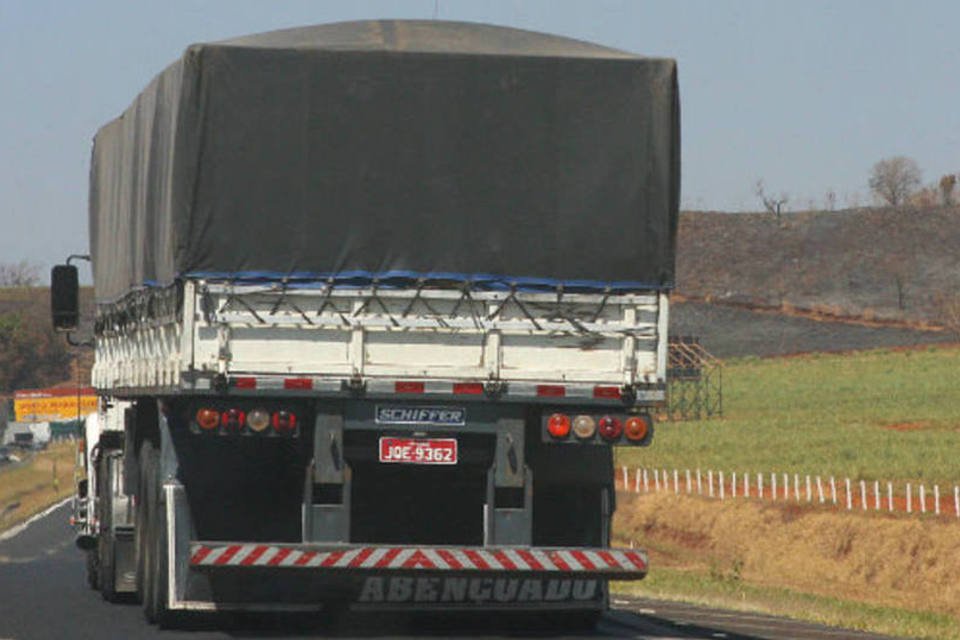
232,420
208,419
258,420
610,428
636,428
584,427
559,426
284,421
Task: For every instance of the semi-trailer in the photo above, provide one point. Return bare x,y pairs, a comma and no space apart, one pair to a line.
375,303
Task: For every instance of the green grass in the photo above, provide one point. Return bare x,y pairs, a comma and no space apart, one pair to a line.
727,591
826,414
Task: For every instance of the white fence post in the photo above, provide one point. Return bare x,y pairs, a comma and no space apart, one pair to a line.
666,481
656,480
710,481
746,484
786,487
676,482
699,483
773,487
936,499
796,486
636,484
956,500
760,485
849,496
889,496
625,479
833,489
809,491
909,498
721,486
689,489
820,490
863,495
733,484
923,499
876,495
646,482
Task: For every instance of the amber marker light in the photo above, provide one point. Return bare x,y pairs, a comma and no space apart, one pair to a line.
208,419
636,428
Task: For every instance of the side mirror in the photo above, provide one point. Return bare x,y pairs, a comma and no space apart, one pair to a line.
65,297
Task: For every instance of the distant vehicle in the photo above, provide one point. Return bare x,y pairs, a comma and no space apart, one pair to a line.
375,302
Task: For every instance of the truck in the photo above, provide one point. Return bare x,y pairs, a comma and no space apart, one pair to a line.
376,301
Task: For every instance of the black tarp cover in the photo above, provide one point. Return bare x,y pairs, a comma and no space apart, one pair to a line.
393,149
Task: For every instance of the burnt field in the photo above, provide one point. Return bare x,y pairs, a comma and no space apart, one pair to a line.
729,332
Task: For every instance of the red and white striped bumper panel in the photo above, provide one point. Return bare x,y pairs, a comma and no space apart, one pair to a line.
617,563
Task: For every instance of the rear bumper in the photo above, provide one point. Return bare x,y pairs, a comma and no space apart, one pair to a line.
576,562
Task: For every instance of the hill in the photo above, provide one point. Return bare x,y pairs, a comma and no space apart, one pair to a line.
749,284
873,264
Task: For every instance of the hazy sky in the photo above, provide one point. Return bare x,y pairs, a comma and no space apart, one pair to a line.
803,94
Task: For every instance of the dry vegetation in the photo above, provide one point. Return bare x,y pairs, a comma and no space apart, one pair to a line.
907,564
33,485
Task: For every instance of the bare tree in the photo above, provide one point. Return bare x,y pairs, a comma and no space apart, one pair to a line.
773,204
893,179
947,185
21,274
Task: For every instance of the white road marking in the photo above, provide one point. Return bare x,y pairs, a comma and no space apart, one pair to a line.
13,531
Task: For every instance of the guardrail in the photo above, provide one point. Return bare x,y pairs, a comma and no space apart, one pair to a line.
863,495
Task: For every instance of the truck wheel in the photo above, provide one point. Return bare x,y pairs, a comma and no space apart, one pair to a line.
105,545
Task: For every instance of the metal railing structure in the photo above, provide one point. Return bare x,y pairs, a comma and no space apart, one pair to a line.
694,381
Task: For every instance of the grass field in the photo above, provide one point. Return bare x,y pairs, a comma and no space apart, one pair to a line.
886,415
32,484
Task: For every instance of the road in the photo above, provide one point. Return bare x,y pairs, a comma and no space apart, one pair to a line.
43,594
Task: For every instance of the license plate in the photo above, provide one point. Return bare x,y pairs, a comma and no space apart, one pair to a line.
418,450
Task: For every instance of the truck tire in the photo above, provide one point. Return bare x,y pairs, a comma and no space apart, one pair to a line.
105,542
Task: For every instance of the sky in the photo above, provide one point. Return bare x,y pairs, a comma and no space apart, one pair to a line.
803,94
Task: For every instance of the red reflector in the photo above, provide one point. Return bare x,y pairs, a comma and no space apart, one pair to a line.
610,427
284,421
468,388
245,383
551,390
607,392
408,387
297,383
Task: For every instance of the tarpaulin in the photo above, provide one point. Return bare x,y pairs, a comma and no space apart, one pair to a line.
393,147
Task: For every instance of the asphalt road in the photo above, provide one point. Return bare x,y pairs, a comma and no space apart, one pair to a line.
43,594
